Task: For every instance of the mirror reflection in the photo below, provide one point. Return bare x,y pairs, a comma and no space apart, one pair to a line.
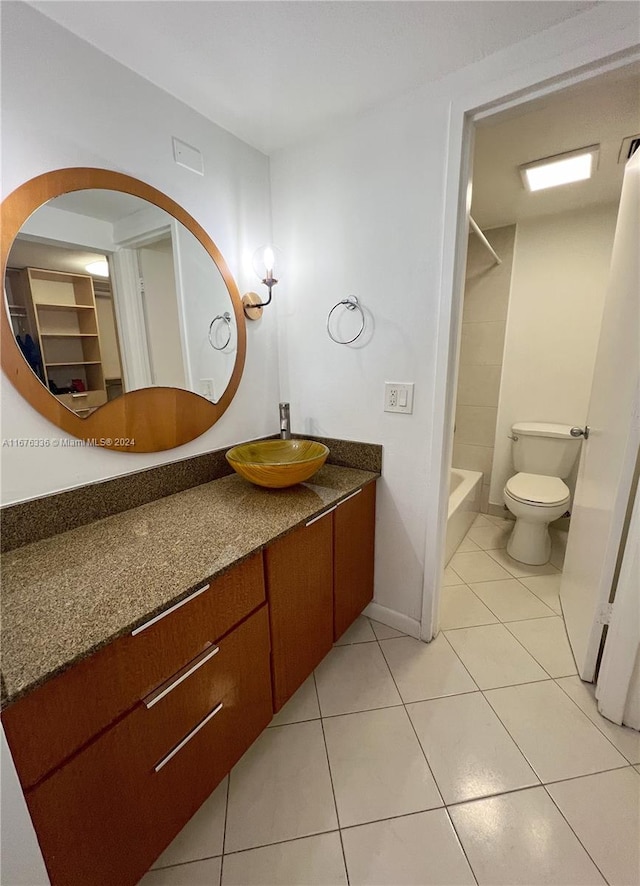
108,293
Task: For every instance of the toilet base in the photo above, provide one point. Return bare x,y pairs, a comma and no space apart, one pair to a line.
530,543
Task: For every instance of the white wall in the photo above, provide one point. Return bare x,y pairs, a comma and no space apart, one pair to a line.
69,105
205,296
361,209
558,285
484,315
161,311
354,212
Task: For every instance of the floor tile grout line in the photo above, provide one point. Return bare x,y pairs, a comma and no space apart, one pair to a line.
404,705
466,692
531,618
424,754
570,826
513,635
589,774
469,588
333,790
520,643
335,802
566,635
281,842
509,685
604,734
532,654
543,782
552,612
500,622
460,843
510,575
224,830
444,807
506,728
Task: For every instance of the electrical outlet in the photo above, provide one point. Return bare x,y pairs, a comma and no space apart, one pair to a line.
398,396
207,389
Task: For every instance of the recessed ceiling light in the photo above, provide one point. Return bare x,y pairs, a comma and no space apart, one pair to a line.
562,169
99,268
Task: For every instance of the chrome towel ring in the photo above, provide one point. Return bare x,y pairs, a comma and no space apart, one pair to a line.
226,317
351,303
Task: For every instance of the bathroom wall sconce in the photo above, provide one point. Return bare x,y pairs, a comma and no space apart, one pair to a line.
264,264
561,169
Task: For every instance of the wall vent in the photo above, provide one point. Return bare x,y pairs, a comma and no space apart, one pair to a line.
187,156
628,147
102,288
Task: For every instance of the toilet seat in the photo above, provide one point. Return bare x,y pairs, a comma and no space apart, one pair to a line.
538,489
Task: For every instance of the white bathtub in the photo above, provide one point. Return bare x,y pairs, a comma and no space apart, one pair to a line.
465,488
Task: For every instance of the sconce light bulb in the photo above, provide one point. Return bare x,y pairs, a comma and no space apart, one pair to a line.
269,260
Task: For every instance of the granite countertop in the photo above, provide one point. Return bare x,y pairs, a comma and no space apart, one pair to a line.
65,597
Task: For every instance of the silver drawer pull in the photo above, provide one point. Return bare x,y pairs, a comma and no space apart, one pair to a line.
203,658
187,738
168,611
353,495
320,516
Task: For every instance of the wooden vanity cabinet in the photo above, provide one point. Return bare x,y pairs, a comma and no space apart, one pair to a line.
71,708
105,816
299,577
118,752
354,527
319,579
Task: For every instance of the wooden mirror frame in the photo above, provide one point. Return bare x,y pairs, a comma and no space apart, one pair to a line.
156,418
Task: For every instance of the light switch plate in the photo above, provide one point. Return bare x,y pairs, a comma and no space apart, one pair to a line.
398,396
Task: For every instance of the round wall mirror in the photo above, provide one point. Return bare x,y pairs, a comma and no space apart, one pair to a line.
122,324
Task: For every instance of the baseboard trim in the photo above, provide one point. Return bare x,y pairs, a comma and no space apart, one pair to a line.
393,619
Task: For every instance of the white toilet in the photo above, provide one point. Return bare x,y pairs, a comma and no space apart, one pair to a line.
543,455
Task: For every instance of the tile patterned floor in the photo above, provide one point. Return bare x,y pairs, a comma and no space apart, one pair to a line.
479,758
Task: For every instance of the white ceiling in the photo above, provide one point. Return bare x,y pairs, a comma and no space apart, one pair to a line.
275,72
601,111
108,206
29,254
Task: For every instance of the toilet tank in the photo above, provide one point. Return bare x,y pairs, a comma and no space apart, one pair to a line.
544,448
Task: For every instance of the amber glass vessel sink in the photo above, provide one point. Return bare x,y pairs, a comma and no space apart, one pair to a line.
277,463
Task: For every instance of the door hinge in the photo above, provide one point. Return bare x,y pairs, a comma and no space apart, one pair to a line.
606,612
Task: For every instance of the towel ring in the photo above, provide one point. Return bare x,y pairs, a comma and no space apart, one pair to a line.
227,319
351,303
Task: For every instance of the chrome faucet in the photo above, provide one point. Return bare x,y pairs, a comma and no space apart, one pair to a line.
285,422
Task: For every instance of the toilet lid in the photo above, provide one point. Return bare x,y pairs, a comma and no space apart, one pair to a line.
538,489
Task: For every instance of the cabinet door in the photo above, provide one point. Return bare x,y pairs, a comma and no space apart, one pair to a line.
299,573
354,537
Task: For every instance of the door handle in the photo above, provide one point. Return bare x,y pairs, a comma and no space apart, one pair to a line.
581,432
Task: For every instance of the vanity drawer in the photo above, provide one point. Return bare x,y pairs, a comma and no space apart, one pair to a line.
86,400
51,723
106,815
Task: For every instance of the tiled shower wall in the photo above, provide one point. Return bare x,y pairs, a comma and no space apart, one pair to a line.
486,300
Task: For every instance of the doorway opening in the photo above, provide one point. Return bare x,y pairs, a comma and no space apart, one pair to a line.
530,328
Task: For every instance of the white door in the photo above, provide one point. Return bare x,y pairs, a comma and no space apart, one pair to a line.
609,455
618,691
